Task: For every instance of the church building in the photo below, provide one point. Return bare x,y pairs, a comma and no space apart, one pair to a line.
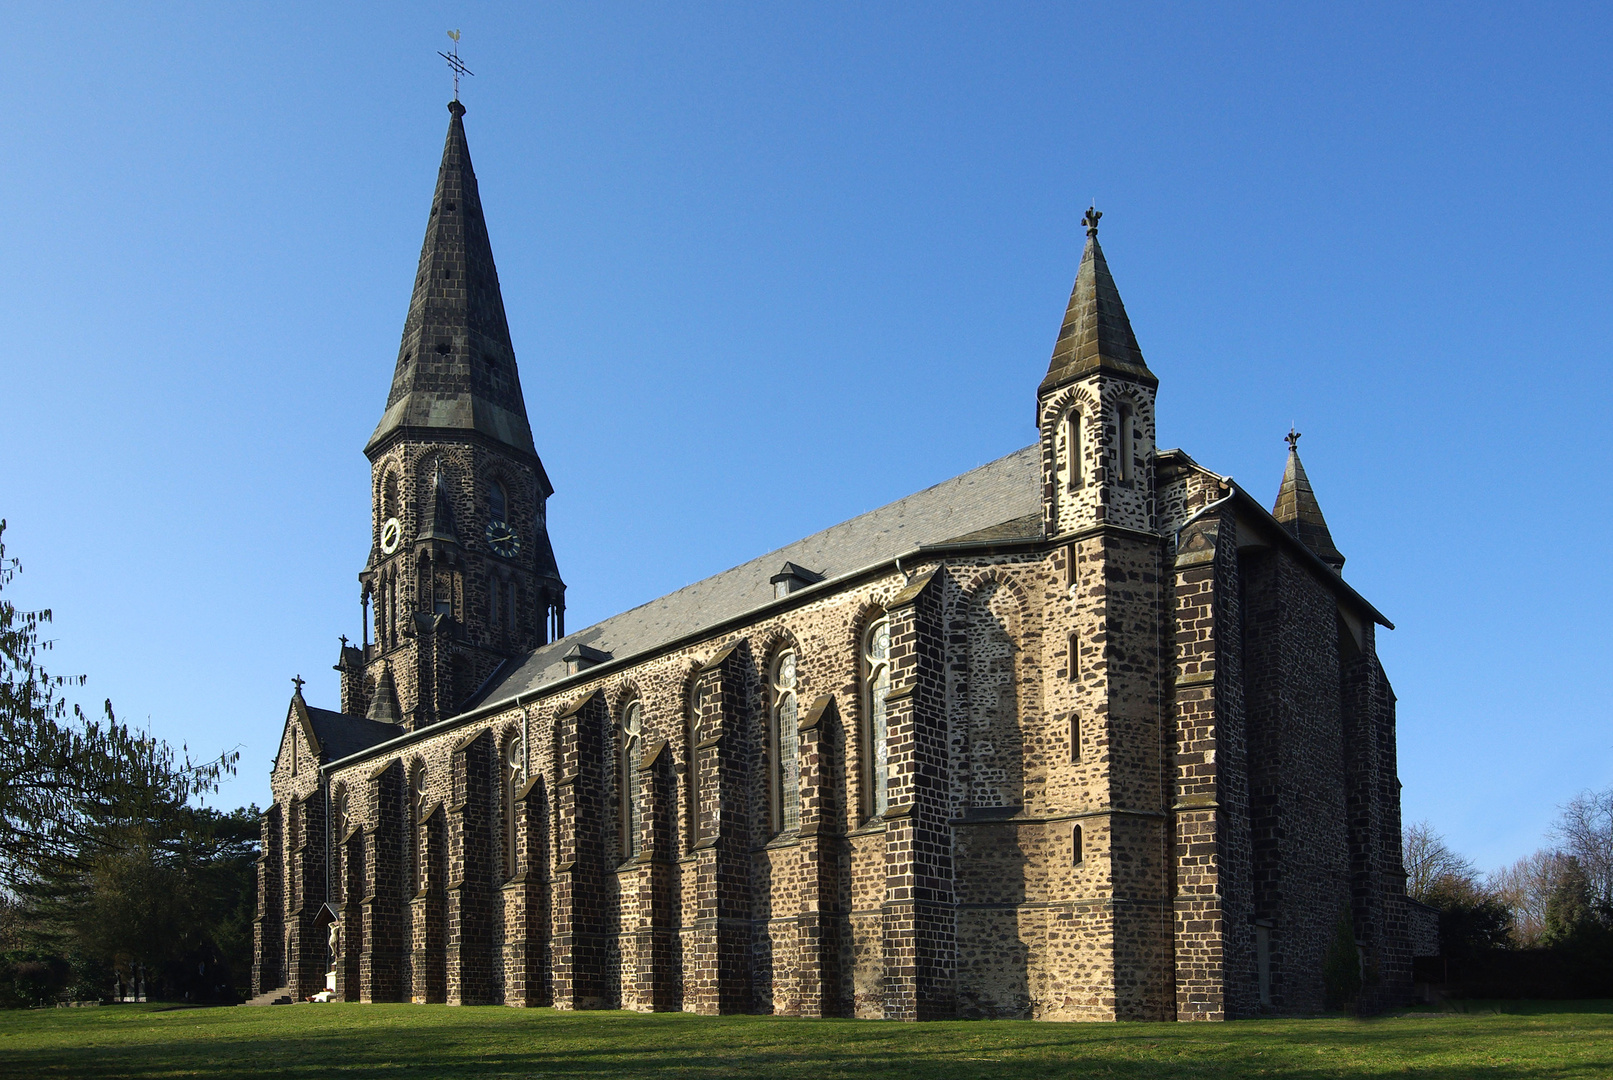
1085,733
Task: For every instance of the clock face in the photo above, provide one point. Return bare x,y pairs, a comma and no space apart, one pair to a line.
391,533
503,539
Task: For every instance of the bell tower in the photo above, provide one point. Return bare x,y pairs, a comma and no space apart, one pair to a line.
461,577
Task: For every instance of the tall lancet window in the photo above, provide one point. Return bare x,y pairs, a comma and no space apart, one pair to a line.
691,771
876,666
514,775
497,503
1072,449
628,787
786,743
1128,443
417,818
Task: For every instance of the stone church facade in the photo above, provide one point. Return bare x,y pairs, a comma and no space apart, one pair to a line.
1084,733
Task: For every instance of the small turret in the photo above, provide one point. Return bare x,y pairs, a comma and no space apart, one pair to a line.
1298,511
1095,409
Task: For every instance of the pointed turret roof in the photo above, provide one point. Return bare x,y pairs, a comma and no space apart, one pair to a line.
437,523
384,704
456,365
1299,512
1096,332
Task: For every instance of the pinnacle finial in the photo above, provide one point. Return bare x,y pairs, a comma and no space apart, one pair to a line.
298,681
1292,439
1090,219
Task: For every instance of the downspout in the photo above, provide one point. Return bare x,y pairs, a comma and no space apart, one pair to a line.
324,789
1205,509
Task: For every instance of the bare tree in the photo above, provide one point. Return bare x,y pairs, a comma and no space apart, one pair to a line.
1525,888
1430,860
1586,832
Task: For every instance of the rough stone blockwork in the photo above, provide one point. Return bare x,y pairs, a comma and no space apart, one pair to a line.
1084,733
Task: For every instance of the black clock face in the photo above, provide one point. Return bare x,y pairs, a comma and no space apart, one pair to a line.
504,540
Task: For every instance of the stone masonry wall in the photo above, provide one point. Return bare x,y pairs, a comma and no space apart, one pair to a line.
968,899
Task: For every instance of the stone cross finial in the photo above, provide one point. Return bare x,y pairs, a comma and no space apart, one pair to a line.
1090,219
1292,439
298,680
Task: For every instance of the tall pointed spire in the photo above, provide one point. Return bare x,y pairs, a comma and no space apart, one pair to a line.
1298,511
456,365
1096,332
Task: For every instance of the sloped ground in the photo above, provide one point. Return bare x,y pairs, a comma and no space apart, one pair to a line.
1499,1039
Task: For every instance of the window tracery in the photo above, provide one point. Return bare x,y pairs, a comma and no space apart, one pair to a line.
632,739
876,688
786,743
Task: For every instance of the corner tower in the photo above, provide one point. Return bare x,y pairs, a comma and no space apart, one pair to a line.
461,575
1095,412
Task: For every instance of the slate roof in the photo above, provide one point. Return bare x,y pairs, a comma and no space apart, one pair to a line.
456,365
1096,332
340,735
1301,514
1000,500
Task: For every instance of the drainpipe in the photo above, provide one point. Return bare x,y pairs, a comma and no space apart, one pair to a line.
1232,489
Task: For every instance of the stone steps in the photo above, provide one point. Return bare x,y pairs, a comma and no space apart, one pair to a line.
281,996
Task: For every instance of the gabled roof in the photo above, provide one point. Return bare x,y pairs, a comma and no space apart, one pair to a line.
338,735
456,365
1005,490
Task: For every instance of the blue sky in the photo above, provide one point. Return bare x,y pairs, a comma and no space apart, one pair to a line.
769,266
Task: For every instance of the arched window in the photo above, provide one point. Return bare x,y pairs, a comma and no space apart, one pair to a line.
1128,439
1075,846
514,771
339,814
691,771
389,496
1075,738
876,667
417,817
786,743
632,740
1072,449
494,591
498,503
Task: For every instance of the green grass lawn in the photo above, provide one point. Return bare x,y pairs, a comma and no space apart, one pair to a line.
1497,1039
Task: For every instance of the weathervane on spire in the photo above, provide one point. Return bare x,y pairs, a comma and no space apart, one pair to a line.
1292,439
1090,219
455,64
